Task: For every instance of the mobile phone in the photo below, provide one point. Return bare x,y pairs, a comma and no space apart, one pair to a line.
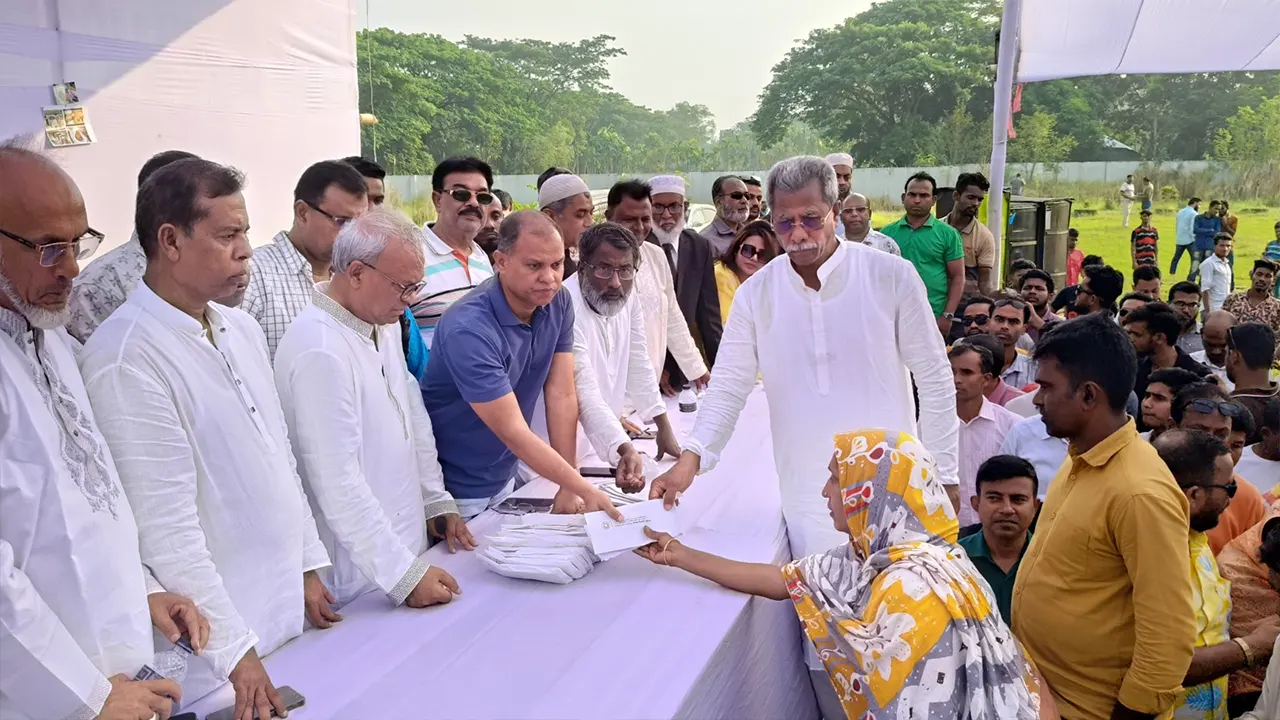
598,472
292,701
524,506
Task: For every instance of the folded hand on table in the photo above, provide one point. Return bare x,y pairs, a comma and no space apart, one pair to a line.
435,588
174,616
630,473
254,690
452,529
319,601
139,699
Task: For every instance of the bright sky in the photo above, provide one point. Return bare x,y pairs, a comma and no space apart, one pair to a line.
699,51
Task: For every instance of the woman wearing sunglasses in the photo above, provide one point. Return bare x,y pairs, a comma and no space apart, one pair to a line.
754,245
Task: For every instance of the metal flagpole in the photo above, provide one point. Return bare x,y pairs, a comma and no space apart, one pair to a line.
1006,68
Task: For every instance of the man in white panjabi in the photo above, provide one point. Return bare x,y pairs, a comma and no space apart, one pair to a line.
630,204
186,400
359,430
76,605
835,329
842,164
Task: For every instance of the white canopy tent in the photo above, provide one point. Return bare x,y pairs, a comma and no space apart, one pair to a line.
1054,39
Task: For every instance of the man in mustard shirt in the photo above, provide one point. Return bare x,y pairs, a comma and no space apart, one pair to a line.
1103,599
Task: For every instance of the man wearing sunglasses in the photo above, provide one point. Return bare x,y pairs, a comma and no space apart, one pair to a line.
1201,464
460,193
733,206
791,322
1206,407
363,441
976,316
74,600
328,194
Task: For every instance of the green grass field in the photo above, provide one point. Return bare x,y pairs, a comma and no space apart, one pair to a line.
1103,233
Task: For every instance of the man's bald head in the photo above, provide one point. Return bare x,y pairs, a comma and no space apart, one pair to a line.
1219,320
855,213
40,203
1213,336
525,223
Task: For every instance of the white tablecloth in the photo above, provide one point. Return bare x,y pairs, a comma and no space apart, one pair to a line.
629,640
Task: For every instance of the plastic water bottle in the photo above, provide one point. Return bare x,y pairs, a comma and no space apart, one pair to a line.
688,400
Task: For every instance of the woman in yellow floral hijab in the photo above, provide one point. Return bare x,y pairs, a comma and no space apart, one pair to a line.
903,623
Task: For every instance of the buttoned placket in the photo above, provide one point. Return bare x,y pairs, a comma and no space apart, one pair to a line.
822,357
245,398
386,384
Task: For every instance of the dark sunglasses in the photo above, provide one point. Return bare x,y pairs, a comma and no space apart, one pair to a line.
736,195
1225,407
751,252
975,320
1229,487
812,223
462,195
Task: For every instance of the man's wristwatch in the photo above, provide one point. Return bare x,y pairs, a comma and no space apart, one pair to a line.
949,316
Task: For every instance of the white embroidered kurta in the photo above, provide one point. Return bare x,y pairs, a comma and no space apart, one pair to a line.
73,599
203,453
618,352
664,325
833,360
364,445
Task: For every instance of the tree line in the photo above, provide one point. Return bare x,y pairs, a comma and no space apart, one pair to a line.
907,82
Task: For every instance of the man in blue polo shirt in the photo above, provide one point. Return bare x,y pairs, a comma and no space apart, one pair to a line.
1006,504
494,352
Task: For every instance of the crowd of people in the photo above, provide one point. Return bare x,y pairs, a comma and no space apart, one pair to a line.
227,445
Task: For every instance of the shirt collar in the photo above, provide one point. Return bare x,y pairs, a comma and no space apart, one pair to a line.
331,307
292,255
160,308
967,228
1101,454
928,222
440,247
981,549
988,411
720,226
13,324
832,263
501,309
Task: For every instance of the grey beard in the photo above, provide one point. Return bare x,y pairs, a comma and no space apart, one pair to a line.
666,238
38,317
596,301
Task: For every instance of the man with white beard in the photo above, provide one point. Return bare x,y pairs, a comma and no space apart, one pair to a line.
609,330
692,262
76,604
359,430
187,402
733,206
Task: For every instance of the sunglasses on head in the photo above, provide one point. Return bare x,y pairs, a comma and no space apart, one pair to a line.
751,252
462,195
975,319
1225,407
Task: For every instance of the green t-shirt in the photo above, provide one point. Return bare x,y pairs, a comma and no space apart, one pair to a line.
929,247
975,546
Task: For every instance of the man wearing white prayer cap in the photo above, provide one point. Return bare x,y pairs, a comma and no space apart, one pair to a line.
566,199
692,261
842,163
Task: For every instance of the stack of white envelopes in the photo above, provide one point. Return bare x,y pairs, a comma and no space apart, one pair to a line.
562,548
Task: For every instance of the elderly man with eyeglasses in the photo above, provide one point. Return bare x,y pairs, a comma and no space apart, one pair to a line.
455,262
328,194
359,430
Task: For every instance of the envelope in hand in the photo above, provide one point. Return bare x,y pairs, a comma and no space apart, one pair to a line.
609,536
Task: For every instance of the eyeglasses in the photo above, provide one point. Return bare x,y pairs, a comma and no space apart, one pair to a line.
1207,406
51,252
408,293
674,209
751,252
604,272
1229,487
812,223
975,320
735,195
1082,290
338,220
463,195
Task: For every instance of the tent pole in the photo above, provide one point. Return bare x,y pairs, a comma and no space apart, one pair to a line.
1006,68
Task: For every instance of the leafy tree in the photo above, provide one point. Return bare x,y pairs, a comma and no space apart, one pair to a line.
957,139
1038,142
1250,144
560,67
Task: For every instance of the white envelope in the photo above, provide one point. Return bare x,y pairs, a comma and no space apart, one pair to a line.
609,536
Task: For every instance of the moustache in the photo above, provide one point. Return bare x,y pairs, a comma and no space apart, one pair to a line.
474,212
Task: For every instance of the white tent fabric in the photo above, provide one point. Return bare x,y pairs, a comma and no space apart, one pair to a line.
268,87
1074,38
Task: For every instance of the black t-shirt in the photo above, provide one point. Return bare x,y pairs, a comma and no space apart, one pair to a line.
1145,369
1066,298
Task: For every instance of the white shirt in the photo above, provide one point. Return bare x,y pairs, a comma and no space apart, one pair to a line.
73,598
279,287
364,446
980,440
1126,190
1030,440
1023,405
834,360
1220,371
103,285
615,347
200,441
880,241
1261,473
1215,280
664,324
448,281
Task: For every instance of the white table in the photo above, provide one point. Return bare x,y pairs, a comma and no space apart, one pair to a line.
629,640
